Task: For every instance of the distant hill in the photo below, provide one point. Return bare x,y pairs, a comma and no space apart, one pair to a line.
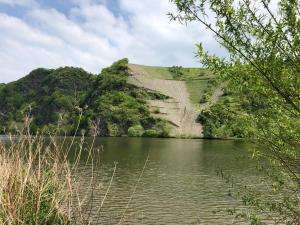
43,93
124,99
59,99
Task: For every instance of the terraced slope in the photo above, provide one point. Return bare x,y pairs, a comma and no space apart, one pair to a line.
178,109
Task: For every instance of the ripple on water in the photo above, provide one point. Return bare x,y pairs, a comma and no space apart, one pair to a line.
179,184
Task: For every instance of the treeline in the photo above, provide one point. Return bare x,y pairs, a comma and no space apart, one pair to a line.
59,100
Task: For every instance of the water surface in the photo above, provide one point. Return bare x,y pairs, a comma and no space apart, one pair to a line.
179,184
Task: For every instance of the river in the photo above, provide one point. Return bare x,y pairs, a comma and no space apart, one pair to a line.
179,184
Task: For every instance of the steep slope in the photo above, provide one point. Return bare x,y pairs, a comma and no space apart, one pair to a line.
178,109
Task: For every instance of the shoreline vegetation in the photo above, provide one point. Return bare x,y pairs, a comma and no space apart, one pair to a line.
36,186
40,181
8,137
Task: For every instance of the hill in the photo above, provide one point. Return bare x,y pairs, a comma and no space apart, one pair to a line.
124,99
58,99
199,103
189,91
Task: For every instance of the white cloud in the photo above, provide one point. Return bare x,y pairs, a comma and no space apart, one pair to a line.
18,2
92,37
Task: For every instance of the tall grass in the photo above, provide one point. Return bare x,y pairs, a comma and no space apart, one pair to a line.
38,185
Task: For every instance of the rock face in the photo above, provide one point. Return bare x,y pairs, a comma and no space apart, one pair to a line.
177,109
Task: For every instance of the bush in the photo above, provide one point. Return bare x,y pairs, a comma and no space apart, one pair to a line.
163,128
156,111
176,72
113,130
135,131
151,133
205,98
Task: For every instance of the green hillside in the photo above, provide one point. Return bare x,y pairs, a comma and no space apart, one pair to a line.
56,98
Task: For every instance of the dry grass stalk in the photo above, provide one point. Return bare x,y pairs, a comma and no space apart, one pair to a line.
38,185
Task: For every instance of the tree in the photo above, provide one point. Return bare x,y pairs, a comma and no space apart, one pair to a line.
262,39
176,72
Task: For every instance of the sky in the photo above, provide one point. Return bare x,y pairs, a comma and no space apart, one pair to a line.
92,34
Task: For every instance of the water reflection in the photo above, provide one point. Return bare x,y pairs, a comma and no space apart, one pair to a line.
179,184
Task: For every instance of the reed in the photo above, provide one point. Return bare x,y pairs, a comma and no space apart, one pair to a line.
38,184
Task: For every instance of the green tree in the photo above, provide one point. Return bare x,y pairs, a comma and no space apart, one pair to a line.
176,71
263,46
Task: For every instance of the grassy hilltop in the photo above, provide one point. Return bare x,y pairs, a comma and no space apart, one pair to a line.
174,72
196,79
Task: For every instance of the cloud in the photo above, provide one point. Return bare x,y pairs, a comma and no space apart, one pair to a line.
166,43
92,36
18,2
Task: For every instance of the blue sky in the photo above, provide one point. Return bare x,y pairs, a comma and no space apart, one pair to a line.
92,34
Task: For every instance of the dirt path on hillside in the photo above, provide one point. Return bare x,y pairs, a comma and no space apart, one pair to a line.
178,109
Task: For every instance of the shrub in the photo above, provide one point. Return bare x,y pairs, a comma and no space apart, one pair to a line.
151,133
162,128
156,111
135,131
176,72
205,98
113,130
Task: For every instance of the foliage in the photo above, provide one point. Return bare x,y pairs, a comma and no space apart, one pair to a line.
205,98
161,129
113,130
39,179
156,111
121,109
209,90
43,94
176,71
135,131
151,133
263,65
229,117
55,97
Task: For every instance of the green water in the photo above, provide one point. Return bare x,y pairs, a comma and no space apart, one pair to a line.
179,184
